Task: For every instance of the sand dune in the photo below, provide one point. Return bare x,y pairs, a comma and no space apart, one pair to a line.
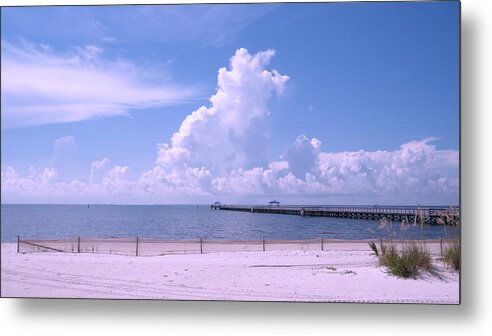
346,272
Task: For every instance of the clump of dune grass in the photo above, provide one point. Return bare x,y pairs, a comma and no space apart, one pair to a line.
408,261
451,255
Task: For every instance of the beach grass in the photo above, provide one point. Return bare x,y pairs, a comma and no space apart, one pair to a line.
374,248
451,255
407,261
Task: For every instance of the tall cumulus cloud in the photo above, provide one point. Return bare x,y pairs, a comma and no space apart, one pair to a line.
230,134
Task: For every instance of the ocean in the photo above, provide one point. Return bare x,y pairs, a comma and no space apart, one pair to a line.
190,222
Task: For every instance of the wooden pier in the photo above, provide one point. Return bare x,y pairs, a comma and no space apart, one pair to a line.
428,215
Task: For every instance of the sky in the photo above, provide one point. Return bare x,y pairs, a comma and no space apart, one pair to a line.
321,103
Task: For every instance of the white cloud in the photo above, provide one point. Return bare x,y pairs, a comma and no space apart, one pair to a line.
64,144
118,181
230,134
159,183
38,185
64,148
64,155
416,168
303,156
417,172
41,87
98,170
246,182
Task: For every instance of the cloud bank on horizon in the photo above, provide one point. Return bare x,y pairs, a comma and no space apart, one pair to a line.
222,152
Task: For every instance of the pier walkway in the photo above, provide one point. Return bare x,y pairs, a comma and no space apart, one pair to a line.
429,215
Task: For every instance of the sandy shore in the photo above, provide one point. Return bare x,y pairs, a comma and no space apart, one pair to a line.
346,272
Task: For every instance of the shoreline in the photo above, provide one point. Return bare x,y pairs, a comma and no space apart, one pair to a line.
347,273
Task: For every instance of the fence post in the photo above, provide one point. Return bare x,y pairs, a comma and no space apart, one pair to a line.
263,241
18,239
78,244
136,250
322,247
201,245
440,242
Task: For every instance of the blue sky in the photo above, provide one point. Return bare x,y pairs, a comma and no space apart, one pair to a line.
114,82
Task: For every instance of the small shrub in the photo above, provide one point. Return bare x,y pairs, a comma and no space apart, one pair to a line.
408,262
451,255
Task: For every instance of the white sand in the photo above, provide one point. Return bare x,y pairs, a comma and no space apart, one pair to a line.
346,273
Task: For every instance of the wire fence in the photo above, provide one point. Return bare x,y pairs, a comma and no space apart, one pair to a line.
139,246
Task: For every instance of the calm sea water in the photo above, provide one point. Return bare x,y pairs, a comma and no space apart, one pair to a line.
187,222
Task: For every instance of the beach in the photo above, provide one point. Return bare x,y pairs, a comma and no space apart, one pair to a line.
343,272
